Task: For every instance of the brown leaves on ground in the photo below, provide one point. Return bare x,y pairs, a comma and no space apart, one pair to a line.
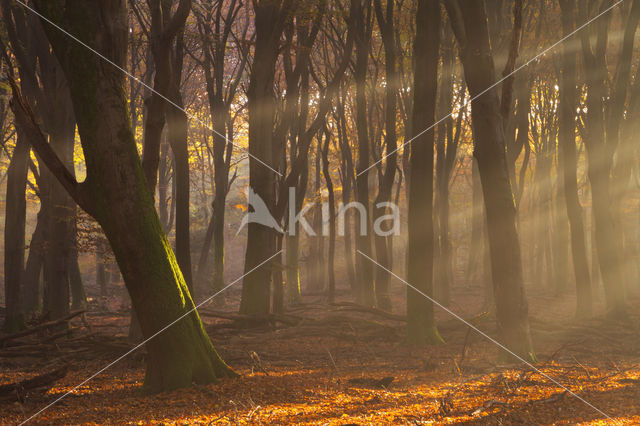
347,375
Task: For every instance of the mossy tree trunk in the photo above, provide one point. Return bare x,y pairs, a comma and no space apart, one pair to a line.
116,194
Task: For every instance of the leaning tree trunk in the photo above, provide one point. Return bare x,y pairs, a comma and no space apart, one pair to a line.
116,194
421,325
14,239
469,20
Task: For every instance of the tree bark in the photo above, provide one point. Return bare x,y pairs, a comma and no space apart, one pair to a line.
608,238
469,21
421,325
115,192
14,234
386,22
569,163
32,284
331,291
366,285
269,21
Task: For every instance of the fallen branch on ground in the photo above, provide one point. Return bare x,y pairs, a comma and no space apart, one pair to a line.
40,327
41,381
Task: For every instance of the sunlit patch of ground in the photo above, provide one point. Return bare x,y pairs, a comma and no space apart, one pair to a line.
305,379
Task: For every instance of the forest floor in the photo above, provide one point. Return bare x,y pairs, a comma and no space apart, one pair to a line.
337,364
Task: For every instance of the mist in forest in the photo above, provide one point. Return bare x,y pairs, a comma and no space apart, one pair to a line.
312,211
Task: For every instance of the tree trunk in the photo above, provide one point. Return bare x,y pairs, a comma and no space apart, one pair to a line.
316,276
444,266
60,227
469,20
221,179
347,181
177,125
569,163
608,238
421,325
115,192
278,279
14,234
261,102
386,22
366,285
78,295
331,291
101,265
32,284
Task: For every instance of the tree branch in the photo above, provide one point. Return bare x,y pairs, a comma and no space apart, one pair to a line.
26,120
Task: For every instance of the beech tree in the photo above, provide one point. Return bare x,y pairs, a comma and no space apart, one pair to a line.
469,22
46,92
600,151
421,326
569,162
270,17
116,193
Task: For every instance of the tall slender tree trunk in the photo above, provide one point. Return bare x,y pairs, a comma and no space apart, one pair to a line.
14,234
477,224
32,283
60,225
101,267
221,181
469,21
278,278
386,22
331,217
256,287
347,185
444,267
608,238
177,131
366,284
569,164
421,325
316,250
294,294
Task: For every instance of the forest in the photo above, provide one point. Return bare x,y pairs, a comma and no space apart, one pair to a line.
337,212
